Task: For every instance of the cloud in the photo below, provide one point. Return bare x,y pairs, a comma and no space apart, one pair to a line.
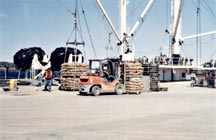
2,16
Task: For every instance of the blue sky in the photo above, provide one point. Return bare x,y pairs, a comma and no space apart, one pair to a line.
47,24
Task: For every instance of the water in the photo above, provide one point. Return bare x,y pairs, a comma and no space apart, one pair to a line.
13,74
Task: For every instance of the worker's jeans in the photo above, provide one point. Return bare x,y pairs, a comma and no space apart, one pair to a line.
48,84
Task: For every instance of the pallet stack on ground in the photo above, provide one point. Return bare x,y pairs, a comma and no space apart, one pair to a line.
200,79
133,72
70,73
146,69
213,77
154,77
214,82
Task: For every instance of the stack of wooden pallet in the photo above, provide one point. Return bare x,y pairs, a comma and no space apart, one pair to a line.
70,73
133,72
214,82
154,77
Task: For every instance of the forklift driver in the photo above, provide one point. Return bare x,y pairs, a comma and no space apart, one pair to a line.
105,74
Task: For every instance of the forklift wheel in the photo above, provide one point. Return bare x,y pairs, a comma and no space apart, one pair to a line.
96,90
119,89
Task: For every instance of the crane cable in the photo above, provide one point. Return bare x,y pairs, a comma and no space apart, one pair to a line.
116,49
198,39
88,29
214,52
210,19
210,11
59,2
81,35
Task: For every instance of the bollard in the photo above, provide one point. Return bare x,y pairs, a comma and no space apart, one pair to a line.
13,85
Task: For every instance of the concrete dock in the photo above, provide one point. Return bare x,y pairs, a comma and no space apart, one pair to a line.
181,113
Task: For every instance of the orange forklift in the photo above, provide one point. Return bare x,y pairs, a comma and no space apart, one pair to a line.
103,76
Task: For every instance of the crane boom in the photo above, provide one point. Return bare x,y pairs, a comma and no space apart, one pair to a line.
178,18
138,24
176,11
108,19
198,35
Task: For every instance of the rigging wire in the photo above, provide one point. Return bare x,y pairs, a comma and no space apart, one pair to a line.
75,29
80,27
168,21
108,30
132,18
135,9
167,30
185,51
206,15
115,51
109,45
198,39
162,43
210,15
88,30
143,19
214,52
138,49
103,19
60,3
81,35
209,9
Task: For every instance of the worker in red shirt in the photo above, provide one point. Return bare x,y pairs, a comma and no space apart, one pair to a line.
48,75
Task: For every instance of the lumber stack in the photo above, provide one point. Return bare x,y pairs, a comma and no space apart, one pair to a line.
154,77
133,77
70,73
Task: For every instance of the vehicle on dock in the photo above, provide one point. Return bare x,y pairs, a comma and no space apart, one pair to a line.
103,76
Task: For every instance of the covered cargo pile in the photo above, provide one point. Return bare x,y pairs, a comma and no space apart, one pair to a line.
70,73
133,72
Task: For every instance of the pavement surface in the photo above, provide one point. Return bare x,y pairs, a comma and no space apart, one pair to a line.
181,113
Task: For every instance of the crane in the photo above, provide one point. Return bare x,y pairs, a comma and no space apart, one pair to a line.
127,52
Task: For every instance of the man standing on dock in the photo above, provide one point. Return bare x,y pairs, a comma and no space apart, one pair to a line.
48,75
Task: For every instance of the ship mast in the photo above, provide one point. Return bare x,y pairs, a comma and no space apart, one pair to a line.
76,30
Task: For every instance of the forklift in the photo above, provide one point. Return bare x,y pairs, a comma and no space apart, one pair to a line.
103,76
